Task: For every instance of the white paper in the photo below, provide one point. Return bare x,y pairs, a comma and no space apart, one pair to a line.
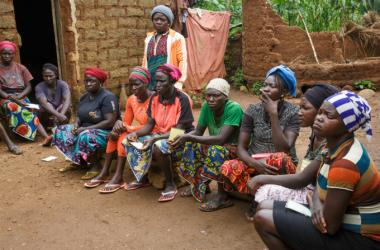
49,158
33,106
137,145
297,207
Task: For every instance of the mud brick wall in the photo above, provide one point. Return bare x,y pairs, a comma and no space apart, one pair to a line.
269,41
7,22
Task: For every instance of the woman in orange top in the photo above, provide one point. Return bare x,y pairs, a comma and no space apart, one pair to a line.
136,107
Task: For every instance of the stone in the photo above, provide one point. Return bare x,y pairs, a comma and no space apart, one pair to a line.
367,93
348,87
244,89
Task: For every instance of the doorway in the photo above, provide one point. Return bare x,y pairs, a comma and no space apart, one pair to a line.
34,22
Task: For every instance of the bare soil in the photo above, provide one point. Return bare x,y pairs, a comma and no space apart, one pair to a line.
41,208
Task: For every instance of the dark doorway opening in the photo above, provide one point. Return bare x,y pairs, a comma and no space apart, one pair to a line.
34,23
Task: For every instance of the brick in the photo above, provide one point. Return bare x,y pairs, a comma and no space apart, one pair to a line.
89,46
110,64
94,34
87,3
131,61
164,2
109,43
107,2
135,53
132,11
115,12
91,56
144,23
120,72
7,21
127,2
98,12
103,55
117,53
116,33
6,7
85,24
129,43
147,3
129,22
107,24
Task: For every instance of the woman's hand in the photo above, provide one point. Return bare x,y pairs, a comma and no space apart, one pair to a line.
132,137
179,140
62,118
270,106
264,168
80,130
148,143
255,183
316,208
118,127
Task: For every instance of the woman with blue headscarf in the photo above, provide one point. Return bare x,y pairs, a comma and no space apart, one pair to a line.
269,126
345,206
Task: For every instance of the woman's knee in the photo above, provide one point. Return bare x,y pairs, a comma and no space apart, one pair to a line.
266,204
263,219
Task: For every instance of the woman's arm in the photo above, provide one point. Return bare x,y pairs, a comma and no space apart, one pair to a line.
25,92
66,102
107,123
3,94
47,106
147,129
225,132
283,141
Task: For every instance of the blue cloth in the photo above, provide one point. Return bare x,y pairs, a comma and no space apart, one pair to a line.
354,111
287,76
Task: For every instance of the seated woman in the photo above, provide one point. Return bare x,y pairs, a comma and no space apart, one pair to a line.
267,127
14,88
97,113
135,109
345,206
54,98
164,45
168,108
10,144
204,155
310,103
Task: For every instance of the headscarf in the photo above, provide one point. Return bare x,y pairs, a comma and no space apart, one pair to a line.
287,76
141,74
219,84
100,74
8,45
163,10
317,93
171,70
354,111
51,67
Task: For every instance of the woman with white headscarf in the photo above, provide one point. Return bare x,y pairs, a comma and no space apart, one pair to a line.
203,155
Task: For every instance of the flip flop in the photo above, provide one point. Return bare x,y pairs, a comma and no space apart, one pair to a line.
68,168
111,188
89,175
167,196
136,185
212,205
94,183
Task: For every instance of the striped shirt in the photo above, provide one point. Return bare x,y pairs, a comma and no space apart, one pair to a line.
349,167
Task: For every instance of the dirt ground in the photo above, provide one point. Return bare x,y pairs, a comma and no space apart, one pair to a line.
41,208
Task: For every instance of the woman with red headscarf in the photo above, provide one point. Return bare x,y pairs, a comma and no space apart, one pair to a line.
97,112
14,88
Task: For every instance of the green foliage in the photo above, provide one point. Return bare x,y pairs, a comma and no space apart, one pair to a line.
238,78
364,84
234,6
256,87
322,15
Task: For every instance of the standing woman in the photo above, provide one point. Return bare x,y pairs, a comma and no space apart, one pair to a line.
168,108
164,45
54,98
135,110
267,127
14,88
97,112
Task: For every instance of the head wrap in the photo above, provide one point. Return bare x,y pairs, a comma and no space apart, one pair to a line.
163,10
51,67
100,74
173,72
354,111
318,92
219,84
140,73
8,45
287,76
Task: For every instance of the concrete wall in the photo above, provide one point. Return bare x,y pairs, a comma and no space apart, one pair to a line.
269,41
